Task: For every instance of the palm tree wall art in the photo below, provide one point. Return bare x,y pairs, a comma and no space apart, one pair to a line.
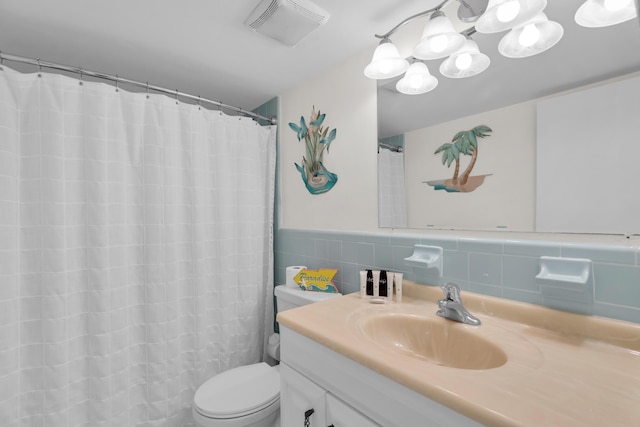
463,143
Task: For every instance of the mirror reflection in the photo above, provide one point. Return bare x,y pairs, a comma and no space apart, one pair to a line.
504,98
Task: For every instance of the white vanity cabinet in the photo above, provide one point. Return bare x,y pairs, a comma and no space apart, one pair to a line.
304,401
339,414
344,393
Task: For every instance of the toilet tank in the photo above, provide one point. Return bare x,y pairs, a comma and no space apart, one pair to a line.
288,297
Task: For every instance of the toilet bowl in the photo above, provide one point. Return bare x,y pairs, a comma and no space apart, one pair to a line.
249,396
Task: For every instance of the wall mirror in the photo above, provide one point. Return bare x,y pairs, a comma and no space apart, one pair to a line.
583,56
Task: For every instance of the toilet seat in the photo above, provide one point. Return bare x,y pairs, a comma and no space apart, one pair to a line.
238,392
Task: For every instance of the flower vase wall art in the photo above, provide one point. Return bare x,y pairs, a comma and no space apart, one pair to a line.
463,143
316,138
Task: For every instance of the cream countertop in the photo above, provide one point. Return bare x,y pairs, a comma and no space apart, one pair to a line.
563,369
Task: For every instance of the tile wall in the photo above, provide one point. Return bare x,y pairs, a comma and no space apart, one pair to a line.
491,266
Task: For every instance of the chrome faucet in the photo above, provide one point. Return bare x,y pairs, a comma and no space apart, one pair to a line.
451,306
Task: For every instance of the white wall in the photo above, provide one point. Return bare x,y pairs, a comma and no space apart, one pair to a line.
588,155
349,101
506,199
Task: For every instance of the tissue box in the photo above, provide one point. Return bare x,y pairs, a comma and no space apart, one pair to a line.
320,280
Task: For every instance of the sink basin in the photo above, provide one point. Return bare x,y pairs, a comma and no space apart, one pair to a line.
440,341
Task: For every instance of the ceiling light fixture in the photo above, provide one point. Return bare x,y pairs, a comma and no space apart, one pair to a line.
386,62
502,15
603,13
530,32
531,38
466,62
417,80
439,38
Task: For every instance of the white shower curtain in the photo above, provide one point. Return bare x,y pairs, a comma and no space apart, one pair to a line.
392,199
135,251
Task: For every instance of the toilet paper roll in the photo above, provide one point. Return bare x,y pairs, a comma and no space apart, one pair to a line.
291,273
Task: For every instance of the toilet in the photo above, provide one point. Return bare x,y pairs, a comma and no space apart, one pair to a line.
249,396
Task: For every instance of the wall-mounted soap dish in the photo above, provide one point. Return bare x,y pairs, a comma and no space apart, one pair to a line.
425,257
566,283
564,272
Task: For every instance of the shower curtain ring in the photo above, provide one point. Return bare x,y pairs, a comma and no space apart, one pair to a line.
199,106
81,76
177,101
117,81
147,90
39,67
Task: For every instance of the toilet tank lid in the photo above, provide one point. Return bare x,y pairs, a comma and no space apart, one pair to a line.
239,391
301,297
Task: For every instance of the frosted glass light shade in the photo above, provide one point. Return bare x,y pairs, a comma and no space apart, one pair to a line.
603,13
417,80
466,62
386,62
439,38
502,15
535,36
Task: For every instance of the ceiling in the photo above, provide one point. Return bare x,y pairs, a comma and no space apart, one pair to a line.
202,47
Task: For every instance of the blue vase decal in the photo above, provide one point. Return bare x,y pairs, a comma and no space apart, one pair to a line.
317,179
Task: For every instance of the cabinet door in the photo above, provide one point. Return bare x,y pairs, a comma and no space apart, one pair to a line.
339,414
300,398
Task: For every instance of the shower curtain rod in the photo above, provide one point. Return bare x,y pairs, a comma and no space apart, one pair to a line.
395,148
145,85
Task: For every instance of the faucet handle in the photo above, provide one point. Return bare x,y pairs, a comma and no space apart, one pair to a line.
451,292
451,306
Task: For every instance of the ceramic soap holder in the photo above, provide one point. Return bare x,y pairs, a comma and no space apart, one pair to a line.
425,257
567,273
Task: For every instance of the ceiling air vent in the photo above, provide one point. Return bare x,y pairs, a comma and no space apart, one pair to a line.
287,21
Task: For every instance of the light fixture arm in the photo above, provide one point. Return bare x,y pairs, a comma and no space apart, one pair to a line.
411,18
469,32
